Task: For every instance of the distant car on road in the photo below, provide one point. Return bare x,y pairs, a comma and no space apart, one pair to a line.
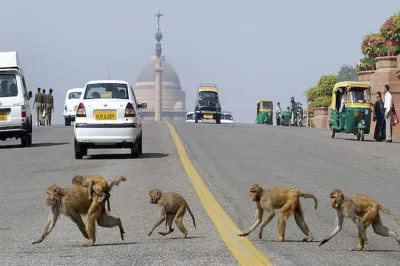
71,104
207,103
189,117
108,117
15,109
226,118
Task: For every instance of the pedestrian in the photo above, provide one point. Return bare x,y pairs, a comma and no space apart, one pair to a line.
388,113
379,115
44,106
49,102
39,107
278,114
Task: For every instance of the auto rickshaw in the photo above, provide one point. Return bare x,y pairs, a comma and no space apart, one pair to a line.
264,112
355,116
286,115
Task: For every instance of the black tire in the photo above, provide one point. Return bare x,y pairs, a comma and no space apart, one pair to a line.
140,145
218,119
78,150
30,134
196,118
135,151
332,132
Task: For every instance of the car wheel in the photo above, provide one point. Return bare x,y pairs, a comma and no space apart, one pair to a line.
196,118
78,150
135,152
140,145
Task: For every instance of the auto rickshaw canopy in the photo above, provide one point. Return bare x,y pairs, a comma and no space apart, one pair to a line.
348,85
264,108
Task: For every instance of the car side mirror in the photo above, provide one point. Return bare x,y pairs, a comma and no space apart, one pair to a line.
143,105
30,94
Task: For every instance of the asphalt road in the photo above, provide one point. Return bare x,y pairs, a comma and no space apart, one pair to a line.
229,158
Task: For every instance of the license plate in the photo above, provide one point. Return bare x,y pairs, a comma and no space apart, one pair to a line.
208,116
75,107
105,115
3,117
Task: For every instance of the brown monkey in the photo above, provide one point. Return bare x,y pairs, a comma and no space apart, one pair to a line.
97,184
363,211
73,202
172,205
283,198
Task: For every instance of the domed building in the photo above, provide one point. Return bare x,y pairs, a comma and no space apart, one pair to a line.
173,97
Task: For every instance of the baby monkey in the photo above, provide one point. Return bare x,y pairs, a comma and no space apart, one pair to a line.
97,184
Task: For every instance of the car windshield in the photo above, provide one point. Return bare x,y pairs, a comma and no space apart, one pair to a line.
106,91
75,95
208,95
266,105
226,116
358,95
8,85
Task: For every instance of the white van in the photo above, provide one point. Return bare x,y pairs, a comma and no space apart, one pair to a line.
15,109
71,104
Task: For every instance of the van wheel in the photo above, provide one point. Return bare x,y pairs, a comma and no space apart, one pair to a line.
25,140
67,122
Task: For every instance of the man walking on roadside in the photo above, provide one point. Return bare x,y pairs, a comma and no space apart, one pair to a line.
44,107
39,107
388,113
278,114
49,102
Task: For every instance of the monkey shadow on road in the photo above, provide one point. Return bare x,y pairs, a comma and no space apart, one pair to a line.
288,241
34,145
150,155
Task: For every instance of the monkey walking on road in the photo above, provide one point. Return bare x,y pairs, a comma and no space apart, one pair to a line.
283,198
363,211
172,205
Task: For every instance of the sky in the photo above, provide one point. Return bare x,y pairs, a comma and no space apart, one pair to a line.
251,50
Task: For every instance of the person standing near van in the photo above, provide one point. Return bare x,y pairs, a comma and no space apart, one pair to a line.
49,102
39,107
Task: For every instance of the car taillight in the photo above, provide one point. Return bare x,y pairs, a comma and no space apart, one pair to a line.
129,111
81,111
23,110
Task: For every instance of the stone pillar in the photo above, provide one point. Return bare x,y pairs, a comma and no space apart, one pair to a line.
386,69
158,91
321,119
365,76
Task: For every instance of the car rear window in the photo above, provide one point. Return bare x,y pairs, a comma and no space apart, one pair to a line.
75,95
8,85
106,91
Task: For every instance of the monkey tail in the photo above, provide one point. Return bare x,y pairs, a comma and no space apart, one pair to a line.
310,196
191,214
387,212
116,182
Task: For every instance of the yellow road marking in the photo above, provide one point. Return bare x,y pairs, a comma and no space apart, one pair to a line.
241,247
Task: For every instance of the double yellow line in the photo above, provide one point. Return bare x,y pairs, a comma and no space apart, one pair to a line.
242,248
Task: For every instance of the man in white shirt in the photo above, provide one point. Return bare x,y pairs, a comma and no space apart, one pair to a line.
388,114
278,112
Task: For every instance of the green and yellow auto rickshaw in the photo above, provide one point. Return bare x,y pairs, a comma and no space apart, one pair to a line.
286,115
350,109
265,112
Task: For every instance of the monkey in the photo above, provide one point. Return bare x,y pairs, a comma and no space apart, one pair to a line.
72,201
363,211
172,205
288,200
97,184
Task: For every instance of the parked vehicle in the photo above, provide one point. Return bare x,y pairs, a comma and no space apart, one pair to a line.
71,104
299,115
15,109
356,116
264,112
108,117
227,118
189,117
207,103
286,116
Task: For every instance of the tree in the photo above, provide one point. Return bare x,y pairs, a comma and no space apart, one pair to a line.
321,95
347,73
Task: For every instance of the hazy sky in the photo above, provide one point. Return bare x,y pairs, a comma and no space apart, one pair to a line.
251,49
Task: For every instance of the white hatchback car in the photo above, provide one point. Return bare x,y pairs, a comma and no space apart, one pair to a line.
71,104
108,117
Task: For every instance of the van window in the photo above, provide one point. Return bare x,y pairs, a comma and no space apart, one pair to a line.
8,85
75,95
24,88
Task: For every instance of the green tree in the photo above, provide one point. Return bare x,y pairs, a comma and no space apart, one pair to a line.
321,95
347,73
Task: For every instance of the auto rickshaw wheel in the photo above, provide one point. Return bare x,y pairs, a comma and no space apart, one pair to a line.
332,132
